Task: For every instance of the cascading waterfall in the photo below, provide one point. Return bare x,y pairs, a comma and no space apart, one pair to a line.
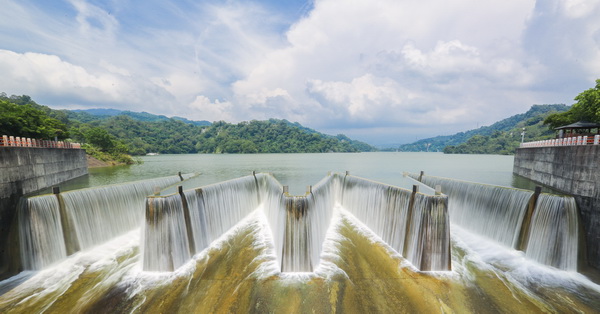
40,232
273,206
212,210
553,237
307,220
549,234
492,211
413,224
54,226
165,234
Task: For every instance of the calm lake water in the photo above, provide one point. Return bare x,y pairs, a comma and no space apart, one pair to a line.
300,170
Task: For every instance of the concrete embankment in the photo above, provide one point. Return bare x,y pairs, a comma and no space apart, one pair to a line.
575,170
25,170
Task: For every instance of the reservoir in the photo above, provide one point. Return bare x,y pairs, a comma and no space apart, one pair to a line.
359,273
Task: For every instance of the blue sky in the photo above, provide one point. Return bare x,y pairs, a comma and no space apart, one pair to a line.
382,71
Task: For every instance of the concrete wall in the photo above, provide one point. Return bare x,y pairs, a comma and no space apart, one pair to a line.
574,170
25,170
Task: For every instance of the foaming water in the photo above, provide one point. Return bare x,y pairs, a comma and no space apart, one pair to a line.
40,232
553,239
210,211
414,224
548,232
239,272
492,211
54,226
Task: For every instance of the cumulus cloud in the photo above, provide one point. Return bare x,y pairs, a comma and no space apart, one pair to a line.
380,70
212,111
563,36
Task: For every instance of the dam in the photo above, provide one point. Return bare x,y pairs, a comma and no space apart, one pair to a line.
348,244
26,166
571,166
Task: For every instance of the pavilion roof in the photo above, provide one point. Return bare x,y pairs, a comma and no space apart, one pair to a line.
580,125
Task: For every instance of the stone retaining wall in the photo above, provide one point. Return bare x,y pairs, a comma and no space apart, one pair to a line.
25,170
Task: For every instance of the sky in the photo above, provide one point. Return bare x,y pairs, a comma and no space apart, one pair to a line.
381,71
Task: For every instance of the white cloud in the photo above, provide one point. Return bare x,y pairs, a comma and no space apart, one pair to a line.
212,111
366,67
367,64
49,73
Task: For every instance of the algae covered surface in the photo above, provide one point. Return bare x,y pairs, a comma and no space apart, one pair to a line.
240,274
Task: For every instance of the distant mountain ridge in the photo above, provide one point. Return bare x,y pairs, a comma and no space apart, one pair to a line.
438,143
87,115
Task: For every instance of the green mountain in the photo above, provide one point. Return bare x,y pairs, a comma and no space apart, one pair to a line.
118,133
87,115
501,137
176,137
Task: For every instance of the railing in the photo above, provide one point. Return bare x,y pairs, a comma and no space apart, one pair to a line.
567,141
12,141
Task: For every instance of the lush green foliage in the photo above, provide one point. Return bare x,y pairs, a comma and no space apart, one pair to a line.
177,137
505,142
586,108
110,133
501,137
21,116
101,114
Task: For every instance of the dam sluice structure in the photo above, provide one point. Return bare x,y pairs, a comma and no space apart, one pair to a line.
416,225
348,244
179,225
544,226
54,226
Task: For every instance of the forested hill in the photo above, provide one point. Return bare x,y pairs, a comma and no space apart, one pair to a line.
89,115
140,133
501,137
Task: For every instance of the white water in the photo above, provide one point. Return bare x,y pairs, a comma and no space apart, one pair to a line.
307,221
213,210
92,216
298,224
554,235
422,235
499,213
40,232
492,211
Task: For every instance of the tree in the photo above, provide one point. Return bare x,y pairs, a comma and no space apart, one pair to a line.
27,120
100,138
587,108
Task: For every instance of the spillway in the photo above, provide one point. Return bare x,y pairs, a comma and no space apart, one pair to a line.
246,245
51,227
414,224
545,227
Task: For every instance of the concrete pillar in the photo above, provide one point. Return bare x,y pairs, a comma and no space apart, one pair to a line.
188,221
409,214
526,224
72,244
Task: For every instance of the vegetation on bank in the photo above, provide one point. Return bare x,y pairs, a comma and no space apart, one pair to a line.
21,116
538,125
506,142
117,134
586,108
502,137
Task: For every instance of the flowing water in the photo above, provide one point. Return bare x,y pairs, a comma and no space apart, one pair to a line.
548,231
360,269
54,226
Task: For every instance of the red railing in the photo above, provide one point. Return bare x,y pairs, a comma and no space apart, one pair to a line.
567,141
15,141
